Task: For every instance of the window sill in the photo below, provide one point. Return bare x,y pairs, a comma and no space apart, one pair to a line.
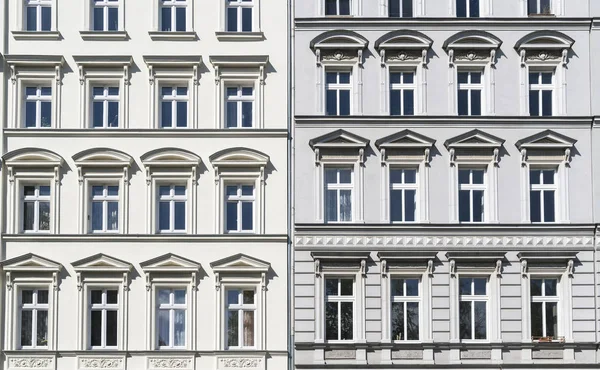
104,35
173,36
240,36
36,35
541,15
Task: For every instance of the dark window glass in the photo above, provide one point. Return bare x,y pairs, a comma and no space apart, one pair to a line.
464,206
463,102
332,103
111,328
478,176
344,7
26,328
534,103
163,216
166,114
180,21
347,320
474,8
98,19
165,19
535,206
247,114
394,8
461,8
398,321
46,114
231,114
465,320
463,77
480,320
412,320
344,102
546,103
331,287
331,321
113,114
46,18
232,216
232,19
247,19
31,19
179,215
30,114
347,287
536,319
232,329
409,101
395,104
545,7
551,319
42,328
396,205
407,11
96,328
476,102
409,211
477,205
330,7
181,114
98,114
247,216
113,19
549,206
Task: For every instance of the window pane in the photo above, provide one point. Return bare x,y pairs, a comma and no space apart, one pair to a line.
409,204
396,205
179,215
232,329
534,176
44,216
344,77
347,319
96,296
179,328
331,103
247,190
535,206
344,7
551,319
532,6
463,77
113,19
29,190
46,114
233,297
465,286
549,206
28,216
232,216
345,176
164,296
247,114
397,287
97,216
412,287
111,328
476,102
395,104
396,176
113,114
344,102
478,205
232,114
464,206
96,328
331,206
330,7
163,328
27,296
331,286
550,287
179,190
409,102
181,114
232,19
412,320
167,114
164,216
546,103
461,8
478,176
535,287
165,19
30,114
398,321
98,19
180,21
546,78
113,216
474,8
331,176
347,286
42,296
480,286
545,7
113,190
394,8
407,8
26,328
548,177
331,77
98,114
248,297
179,296
31,20
247,216
112,296
331,321
534,103
248,328
463,102
345,205
465,320
42,328
480,320
536,319
247,19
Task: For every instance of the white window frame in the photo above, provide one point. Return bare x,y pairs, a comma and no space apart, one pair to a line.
171,199
239,199
255,34
103,307
34,307
171,307
415,12
539,87
470,87
240,308
402,87
105,98
407,299
337,186
403,186
88,21
105,198
485,8
239,99
556,8
355,8
36,199
239,5
474,187
476,298
542,188
105,5
338,87
38,98
339,299
468,6
174,5
174,98
547,299
21,29
21,98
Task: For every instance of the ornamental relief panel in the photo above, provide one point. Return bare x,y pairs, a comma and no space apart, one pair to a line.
30,363
471,55
240,363
339,55
402,55
169,363
543,55
101,363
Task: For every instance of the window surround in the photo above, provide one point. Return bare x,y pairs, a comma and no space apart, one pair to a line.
407,264
32,166
406,149
469,150
486,8
87,32
344,149
549,264
34,70
473,51
546,149
101,271
171,271
340,50
545,51
21,32
243,70
103,70
171,166
418,8
176,70
479,263
157,35
30,271
404,51
355,8
558,9
99,166
256,34
234,166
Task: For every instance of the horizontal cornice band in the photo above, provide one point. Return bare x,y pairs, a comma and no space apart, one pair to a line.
139,133
143,238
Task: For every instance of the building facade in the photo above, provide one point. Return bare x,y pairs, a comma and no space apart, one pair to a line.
144,175
442,162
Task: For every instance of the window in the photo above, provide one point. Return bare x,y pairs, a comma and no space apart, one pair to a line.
339,309
171,208
337,7
34,318
338,194
173,15
240,208
38,106
402,93
241,310
470,88
473,308
171,317
105,208
405,309
467,8
542,195
104,318
400,8
539,6
239,15
240,107
544,308
106,15
338,93
36,208
403,195
105,107
38,15
541,93
174,106
471,195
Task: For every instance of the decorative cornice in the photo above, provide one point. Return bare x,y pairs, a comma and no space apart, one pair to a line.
140,133
143,238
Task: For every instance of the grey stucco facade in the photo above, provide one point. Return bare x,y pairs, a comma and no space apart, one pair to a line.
507,248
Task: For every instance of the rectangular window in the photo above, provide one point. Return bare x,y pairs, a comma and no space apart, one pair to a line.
171,208
104,318
405,309
400,8
339,186
171,317
173,15
105,106
402,93
544,308
36,208
339,309
105,15
473,308
542,195
337,7
33,309
240,107
471,195
403,195
38,15
539,6
105,208
467,8
239,205
38,106
239,15
541,93
338,94
174,107
470,88
241,318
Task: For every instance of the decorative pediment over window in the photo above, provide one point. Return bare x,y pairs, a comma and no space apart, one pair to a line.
403,46
475,260
547,261
339,46
25,65
240,264
239,157
170,263
169,158
544,46
101,263
30,263
92,65
32,158
546,143
341,142
476,143
102,158
340,259
407,260
472,46
240,66
403,143
169,65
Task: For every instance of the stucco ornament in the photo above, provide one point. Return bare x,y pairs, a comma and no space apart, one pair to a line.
244,363
30,362
101,363
544,56
470,55
403,55
170,363
337,55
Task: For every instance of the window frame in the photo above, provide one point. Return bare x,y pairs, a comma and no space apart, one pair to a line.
547,299
38,99
241,308
174,99
338,87
21,29
406,299
471,187
105,5
403,186
104,307
105,199
337,7
36,199
21,106
171,307
239,100
105,99
239,6
400,6
543,188
473,298
34,308
338,187
539,88
171,199
239,200
538,8
173,5
339,299
402,87
468,9
470,87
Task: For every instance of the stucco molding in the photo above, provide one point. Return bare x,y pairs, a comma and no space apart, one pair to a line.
30,362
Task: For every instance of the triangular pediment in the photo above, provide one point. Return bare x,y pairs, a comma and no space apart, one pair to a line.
170,262
102,157
170,157
472,39
101,262
239,157
240,263
339,39
547,139
474,139
546,40
405,139
339,139
32,157
30,262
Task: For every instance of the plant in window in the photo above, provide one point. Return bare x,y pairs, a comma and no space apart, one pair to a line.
34,318
241,309
38,106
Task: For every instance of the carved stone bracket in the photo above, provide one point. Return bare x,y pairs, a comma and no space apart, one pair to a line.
524,268
496,157
148,282
430,268
79,281
9,281
217,281
384,268
363,268
452,157
317,267
498,268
